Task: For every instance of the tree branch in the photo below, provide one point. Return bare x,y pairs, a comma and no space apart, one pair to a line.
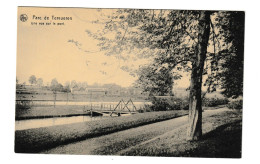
214,36
124,33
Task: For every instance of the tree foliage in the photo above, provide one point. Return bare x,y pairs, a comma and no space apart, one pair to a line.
154,81
233,65
182,40
56,86
166,36
32,79
225,62
171,37
39,82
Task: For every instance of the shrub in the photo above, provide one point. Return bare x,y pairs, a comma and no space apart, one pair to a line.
236,104
23,105
145,108
212,102
168,103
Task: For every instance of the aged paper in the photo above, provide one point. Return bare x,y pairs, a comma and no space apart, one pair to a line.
129,82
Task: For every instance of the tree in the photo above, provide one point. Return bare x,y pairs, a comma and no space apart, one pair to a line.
228,65
73,85
67,86
179,39
155,81
32,79
56,86
194,131
39,82
67,89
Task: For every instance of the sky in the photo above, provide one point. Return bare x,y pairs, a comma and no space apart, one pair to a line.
44,50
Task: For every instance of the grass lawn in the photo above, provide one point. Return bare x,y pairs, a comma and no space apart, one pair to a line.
222,137
36,140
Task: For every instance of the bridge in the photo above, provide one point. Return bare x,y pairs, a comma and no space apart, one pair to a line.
118,110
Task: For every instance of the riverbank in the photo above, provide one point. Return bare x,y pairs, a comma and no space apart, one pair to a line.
222,132
68,111
36,140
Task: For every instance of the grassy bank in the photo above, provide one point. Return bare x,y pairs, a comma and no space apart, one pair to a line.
36,140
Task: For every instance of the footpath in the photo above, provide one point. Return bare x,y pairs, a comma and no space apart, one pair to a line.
221,138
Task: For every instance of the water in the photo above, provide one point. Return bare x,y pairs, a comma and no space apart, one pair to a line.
37,123
46,122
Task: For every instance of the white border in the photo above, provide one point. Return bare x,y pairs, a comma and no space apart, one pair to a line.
8,73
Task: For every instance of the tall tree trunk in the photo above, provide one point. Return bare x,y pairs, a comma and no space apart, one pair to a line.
194,131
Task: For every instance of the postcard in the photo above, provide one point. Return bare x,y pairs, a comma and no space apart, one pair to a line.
129,82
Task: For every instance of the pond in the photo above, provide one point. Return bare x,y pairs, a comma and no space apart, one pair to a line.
45,122
37,123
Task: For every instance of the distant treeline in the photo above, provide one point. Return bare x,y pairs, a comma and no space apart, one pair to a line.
75,87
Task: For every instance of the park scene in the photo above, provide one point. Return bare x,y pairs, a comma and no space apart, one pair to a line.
129,82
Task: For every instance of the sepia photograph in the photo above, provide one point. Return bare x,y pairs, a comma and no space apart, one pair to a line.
129,82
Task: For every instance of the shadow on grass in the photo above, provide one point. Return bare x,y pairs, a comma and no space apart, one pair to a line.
223,142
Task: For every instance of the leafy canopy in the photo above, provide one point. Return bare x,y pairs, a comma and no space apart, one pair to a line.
169,39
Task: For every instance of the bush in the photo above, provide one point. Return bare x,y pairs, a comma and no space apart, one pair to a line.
168,103
145,108
237,104
23,105
173,103
212,102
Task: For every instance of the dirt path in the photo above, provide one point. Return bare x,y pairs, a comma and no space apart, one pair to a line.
124,141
